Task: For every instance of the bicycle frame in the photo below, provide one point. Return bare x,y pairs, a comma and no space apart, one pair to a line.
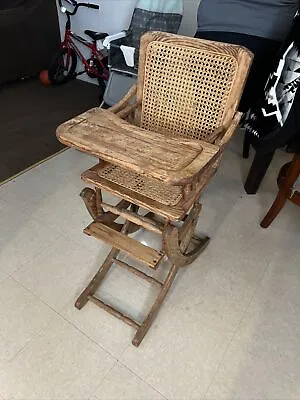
69,42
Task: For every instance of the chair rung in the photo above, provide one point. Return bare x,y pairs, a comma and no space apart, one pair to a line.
140,220
122,242
114,312
137,272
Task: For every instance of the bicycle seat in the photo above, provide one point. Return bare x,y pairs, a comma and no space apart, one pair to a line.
95,35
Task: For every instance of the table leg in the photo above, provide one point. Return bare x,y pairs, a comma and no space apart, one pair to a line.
257,171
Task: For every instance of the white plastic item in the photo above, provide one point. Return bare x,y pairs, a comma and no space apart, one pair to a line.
128,53
110,38
99,44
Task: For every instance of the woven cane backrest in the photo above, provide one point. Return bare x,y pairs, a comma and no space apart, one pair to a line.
189,87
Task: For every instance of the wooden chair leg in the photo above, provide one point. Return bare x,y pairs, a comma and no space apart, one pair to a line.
143,329
100,275
96,281
284,193
274,210
180,245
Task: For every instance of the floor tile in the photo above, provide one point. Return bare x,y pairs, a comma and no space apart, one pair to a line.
29,190
61,364
217,300
263,360
219,285
22,316
66,166
122,384
70,216
177,354
270,329
104,329
282,278
244,376
58,275
25,237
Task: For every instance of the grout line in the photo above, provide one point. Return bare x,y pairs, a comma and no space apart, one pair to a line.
64,318
142,379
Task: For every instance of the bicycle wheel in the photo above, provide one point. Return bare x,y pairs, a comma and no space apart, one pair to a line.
63,68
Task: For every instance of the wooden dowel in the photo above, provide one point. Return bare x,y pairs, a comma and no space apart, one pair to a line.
99,201
114,312
145,222
137,272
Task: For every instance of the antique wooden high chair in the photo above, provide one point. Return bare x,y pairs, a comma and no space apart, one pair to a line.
157,150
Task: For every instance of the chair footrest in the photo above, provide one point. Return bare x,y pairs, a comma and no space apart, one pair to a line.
122,242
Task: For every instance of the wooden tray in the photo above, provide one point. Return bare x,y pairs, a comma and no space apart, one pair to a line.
173,160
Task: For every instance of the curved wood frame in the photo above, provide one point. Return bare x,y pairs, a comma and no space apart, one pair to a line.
285,193
89,197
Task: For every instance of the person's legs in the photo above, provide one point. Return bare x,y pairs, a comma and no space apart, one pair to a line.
264,51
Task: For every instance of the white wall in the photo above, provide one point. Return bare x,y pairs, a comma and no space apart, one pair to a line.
115,15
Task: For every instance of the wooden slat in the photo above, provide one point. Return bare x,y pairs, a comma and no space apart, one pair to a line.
130,246
145,222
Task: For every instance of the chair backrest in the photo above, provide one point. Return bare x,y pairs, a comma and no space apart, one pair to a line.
189,87
155,15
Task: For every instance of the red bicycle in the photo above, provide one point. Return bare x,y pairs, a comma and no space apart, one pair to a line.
63,67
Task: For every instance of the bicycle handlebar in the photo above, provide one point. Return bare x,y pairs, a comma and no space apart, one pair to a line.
95,6
77,5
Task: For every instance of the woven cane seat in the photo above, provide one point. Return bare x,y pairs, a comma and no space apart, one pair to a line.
165,200
153,189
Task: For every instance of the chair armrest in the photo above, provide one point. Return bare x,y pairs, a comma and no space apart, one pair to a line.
223,139
125,102
220,137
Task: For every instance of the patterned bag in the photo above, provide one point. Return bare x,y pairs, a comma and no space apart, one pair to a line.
155,15
274,121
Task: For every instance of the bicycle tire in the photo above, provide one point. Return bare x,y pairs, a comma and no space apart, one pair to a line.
58,73
102,88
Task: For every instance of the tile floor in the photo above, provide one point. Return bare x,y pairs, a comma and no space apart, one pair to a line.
229,329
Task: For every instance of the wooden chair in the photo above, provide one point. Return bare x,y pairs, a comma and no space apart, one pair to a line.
158,148
286,180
